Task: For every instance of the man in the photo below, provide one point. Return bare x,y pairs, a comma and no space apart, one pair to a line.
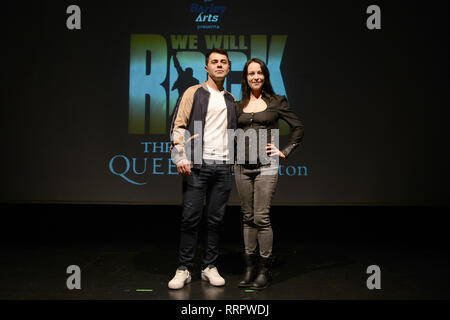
200,149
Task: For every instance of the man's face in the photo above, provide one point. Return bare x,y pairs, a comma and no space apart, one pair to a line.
218,66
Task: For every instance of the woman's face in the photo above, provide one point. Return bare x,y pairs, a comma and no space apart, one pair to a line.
255,76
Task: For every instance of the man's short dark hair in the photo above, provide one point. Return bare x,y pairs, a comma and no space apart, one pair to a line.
216,50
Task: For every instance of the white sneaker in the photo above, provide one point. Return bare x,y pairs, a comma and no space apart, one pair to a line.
181,278
213,276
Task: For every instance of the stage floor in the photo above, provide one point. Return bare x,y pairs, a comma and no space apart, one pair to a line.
302,271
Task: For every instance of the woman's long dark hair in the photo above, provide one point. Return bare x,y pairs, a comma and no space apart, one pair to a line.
245,88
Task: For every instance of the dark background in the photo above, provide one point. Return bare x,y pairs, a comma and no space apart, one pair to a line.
374,102
374,105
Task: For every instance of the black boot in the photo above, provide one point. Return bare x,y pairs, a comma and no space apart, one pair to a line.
250,271
264,276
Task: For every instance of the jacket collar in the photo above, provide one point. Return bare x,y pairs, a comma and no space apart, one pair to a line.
204,85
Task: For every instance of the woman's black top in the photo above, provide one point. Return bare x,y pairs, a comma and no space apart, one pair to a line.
277,108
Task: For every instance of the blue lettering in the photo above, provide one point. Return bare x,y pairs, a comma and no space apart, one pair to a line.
197,8
161,146
155,165
194,7
287,171
122,174
134,166
280,173
143,84
146,146
171,165
168,147
305,170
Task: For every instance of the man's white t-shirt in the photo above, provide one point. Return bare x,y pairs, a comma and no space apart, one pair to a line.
215,139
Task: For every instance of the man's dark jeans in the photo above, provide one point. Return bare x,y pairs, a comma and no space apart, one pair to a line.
212,184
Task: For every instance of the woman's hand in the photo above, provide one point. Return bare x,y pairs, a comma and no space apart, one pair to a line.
273,151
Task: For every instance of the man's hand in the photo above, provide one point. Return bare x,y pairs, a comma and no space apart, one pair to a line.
184,167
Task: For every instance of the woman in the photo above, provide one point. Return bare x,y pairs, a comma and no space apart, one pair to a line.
260,109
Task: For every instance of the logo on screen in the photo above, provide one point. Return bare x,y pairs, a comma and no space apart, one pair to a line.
162,67
207,14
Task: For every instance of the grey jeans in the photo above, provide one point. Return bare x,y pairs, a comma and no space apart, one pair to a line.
256,187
